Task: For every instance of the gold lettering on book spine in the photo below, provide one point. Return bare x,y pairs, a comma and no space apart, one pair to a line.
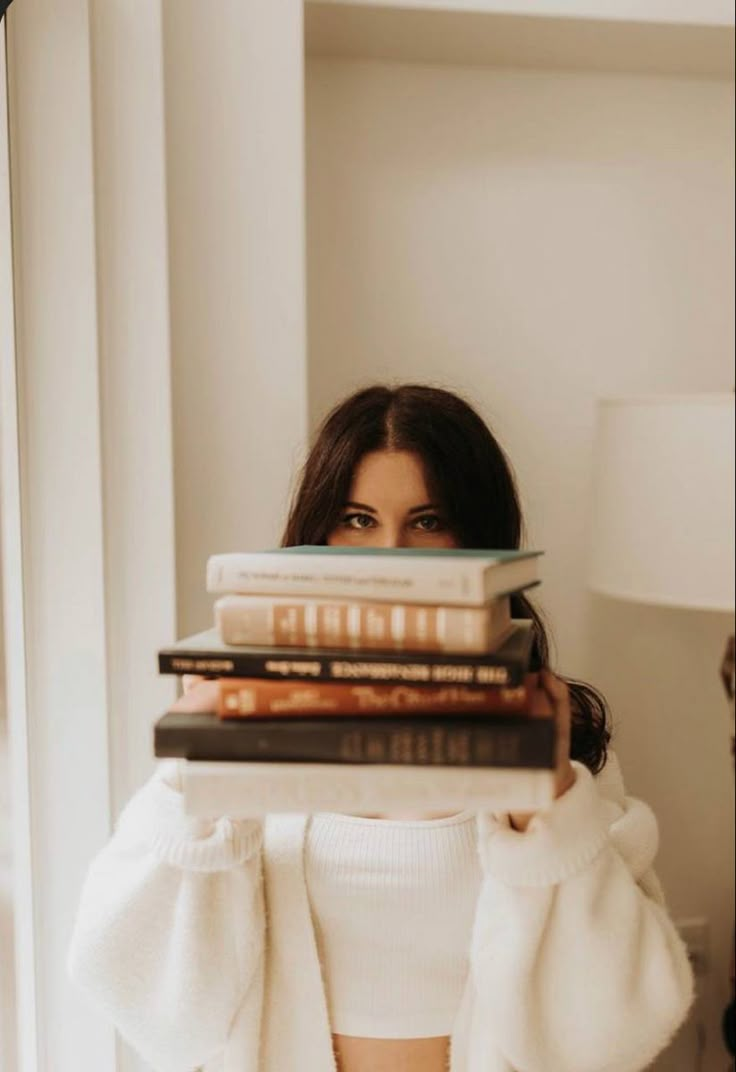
330,622
376,625
288,625
421,628
200,665
244,701
287,667
380,671
491,675
353,618
310,624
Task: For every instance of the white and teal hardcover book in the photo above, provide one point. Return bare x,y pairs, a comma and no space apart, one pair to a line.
452,576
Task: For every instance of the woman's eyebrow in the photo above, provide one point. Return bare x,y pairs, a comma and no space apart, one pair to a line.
362,506
424,506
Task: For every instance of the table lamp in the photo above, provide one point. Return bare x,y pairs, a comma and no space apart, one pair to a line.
663,501
662,526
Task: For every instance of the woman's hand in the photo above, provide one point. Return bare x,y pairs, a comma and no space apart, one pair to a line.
190,681
552,697
173,775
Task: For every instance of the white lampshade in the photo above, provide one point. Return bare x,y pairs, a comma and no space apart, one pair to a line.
662,527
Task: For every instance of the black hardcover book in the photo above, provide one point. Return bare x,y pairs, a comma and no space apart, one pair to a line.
204,653
499,741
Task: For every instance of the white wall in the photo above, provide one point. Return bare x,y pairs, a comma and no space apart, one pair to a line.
536,241
234,120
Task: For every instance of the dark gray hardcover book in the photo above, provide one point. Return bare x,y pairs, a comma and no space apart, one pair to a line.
204,653
497,741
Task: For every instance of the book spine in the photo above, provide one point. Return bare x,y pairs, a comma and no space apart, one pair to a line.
395,580
357,670
320,623
251,697
251,790
515,743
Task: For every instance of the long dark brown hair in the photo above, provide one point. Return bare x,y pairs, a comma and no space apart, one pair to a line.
467,472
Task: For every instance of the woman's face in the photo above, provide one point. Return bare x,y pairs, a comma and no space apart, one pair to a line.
389,506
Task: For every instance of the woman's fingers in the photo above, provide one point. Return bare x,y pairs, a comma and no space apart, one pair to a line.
558,694
555,688
541,704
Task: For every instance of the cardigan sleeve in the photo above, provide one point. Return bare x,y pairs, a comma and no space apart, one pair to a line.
168,937
576,964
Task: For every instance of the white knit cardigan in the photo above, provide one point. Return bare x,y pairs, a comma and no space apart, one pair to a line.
196,940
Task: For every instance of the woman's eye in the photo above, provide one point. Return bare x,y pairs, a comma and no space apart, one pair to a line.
358,521
429,523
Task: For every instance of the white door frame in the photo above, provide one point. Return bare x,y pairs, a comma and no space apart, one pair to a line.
87,471
13,618
86,454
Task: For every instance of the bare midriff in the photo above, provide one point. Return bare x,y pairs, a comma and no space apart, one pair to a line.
391,1055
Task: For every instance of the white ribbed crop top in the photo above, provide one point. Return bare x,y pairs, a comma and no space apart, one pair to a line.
393,903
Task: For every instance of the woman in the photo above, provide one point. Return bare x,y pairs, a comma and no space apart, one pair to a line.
395,943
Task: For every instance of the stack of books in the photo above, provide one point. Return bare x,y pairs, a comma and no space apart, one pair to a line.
342,674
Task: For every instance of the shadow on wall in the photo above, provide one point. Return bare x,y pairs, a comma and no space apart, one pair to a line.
659,669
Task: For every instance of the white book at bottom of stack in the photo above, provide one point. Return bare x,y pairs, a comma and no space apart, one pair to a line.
250,790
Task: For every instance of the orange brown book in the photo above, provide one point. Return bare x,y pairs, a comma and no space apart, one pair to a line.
252,697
